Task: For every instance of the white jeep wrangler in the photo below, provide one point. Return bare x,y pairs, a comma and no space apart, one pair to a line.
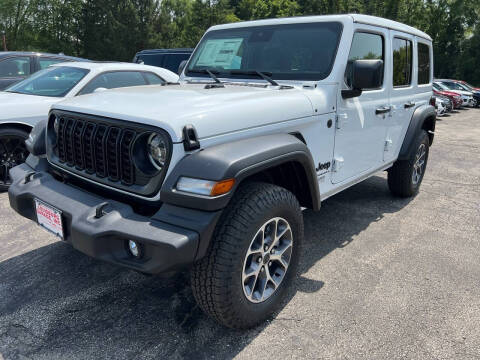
270,117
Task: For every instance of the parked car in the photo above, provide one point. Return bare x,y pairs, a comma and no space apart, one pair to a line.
476,93
467,96
166,58
16,66
440,107
28,102
471,87
454,97
213,174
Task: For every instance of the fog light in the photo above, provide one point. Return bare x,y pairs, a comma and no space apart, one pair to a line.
134,248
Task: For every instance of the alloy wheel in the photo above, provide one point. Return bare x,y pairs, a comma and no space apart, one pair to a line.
13,152
267,260
419,164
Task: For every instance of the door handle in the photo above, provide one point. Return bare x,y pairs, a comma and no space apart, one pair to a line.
409,105
383,110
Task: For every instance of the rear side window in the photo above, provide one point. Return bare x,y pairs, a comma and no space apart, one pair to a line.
402,62
365,46
13,67
153,79
423,64
152,59
113,80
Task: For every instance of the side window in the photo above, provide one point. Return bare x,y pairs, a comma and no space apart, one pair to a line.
113,80
46,62
172,61
423,64
402,62
13,67
365,46
153,79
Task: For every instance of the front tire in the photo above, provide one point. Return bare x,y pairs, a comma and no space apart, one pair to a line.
13,152
405,176
252,258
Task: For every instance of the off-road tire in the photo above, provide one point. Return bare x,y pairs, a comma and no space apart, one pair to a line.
9,131
400,175
217,278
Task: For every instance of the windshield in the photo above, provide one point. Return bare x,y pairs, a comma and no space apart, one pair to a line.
464,87
53,81
285,52
452,86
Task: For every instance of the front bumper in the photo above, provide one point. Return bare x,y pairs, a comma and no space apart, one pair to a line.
166,247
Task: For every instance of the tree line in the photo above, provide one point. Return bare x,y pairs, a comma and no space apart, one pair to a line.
117,29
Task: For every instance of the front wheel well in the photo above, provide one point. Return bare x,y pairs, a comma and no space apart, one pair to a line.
291,176
429,127
23,127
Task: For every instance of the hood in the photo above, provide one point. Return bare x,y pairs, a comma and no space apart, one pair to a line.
26,109
445,93
212,111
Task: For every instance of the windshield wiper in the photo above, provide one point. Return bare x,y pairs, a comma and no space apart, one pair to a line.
262,74
210,73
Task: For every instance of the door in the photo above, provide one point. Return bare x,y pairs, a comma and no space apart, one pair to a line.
360,128
403,93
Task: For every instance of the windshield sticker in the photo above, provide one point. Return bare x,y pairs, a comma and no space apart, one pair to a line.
220,53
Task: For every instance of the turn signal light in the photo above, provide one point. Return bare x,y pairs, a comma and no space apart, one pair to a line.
222,187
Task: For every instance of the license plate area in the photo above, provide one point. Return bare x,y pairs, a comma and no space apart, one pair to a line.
49,218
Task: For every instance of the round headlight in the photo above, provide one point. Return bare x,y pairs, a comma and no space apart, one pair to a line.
157,150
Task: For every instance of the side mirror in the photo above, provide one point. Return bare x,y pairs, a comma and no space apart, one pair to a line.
181,67
100,89
366,74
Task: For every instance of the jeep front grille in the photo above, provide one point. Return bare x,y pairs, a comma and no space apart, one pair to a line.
96,148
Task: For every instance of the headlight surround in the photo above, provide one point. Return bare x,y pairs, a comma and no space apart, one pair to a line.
157,148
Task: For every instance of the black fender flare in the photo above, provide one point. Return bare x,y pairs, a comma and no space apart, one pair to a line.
238,160
417,123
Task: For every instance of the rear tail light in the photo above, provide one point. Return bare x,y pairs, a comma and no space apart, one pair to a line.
432,101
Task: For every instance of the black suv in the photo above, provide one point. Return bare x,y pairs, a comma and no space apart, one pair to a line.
16,66
166,58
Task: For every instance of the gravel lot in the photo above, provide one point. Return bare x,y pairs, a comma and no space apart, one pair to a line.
381,278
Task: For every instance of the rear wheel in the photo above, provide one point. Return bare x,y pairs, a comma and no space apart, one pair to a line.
405,176
252,257
13,152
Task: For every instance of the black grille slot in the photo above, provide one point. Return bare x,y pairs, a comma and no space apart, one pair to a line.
88,137
113,141
99,148
61,140
77,144
68,136
126,164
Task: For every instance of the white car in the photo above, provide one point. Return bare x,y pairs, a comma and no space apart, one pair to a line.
24,104
272,116
467,96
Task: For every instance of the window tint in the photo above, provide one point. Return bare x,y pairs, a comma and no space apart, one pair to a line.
172,61
17,66
365,46
402,62
46,62
423,64
113,80
153,79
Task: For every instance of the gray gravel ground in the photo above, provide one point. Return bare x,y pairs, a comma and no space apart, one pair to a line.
381,278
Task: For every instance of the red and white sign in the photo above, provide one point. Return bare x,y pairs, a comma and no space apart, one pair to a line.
50,218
